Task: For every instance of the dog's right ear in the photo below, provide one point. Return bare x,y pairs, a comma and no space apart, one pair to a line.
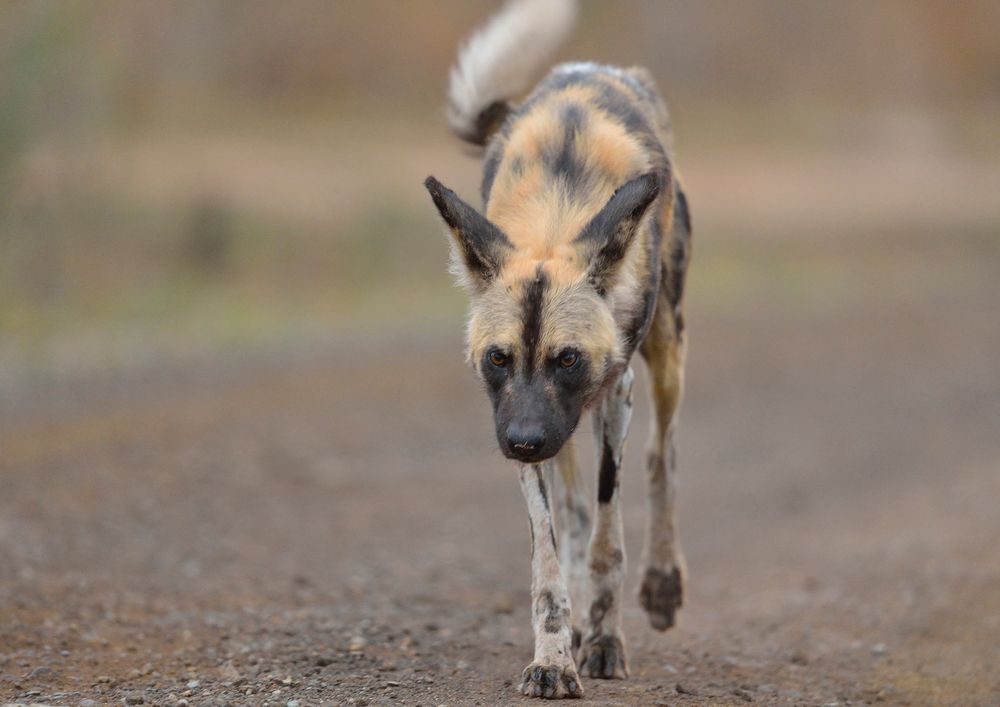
481,246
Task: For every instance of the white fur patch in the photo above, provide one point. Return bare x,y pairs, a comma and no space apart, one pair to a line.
498,61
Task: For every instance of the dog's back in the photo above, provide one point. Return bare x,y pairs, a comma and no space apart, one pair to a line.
555,159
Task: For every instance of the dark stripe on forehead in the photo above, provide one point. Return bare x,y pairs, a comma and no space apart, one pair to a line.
534,296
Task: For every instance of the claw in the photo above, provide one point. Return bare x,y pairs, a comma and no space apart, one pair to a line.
550,682
603,657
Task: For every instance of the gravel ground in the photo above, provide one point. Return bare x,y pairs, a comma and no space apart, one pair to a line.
333,526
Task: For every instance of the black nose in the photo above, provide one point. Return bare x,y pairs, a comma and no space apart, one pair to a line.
525,442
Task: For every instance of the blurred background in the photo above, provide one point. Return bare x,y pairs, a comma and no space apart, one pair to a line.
227,338
181,175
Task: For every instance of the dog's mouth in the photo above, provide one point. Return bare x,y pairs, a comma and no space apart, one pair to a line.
528,454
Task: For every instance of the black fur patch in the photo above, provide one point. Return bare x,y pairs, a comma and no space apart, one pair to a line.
489,120
495,378
607,480
642,320
548,607
599,607
545,500
562,162
549,85
542,490
680,249
661,595
490,168
534,297
622,107
483,245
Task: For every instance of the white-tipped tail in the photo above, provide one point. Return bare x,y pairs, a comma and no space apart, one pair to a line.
498,62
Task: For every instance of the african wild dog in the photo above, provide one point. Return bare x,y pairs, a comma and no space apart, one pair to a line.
577,261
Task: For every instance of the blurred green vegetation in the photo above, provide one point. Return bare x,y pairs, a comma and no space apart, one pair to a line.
239,172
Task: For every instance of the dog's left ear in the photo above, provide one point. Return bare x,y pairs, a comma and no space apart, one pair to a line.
609,234
481,245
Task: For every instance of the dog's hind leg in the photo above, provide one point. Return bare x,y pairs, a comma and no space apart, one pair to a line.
574,533
602,652
661,592
552,673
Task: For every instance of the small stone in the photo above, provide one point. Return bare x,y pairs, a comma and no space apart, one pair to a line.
229,672
134,699
879,649
292,703
683,690
799,658
193,684
322,661
357,644
392,683
103,678
87,703
42,672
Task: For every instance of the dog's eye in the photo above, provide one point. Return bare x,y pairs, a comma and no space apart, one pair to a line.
498,358
568,359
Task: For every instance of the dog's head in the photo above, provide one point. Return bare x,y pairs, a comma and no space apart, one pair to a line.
542,333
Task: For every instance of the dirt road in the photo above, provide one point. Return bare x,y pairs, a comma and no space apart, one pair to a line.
333,525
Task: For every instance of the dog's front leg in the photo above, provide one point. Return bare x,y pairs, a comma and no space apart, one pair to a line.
552,673
573,511
602,653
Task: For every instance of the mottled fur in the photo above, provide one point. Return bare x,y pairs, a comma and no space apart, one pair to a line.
576,262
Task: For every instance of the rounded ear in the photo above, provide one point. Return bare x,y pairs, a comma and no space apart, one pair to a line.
609,234
481,246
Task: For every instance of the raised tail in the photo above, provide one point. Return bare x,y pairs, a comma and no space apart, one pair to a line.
497,63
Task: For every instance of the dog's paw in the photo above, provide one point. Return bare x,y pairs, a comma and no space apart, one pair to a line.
603,656
550,681
661,595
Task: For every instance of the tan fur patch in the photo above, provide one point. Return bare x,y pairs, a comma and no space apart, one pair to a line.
534,210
